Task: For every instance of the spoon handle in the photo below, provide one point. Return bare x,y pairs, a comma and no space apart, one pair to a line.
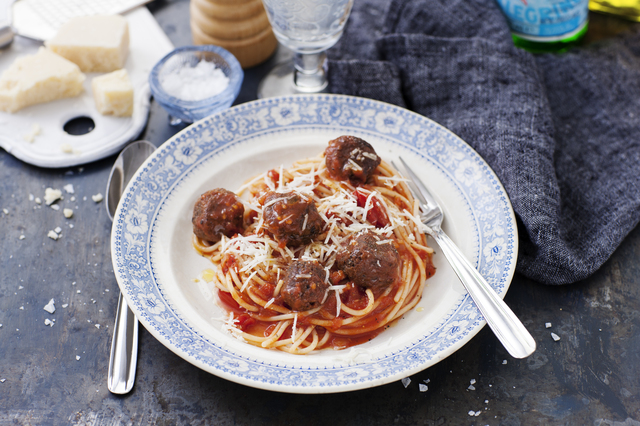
124,350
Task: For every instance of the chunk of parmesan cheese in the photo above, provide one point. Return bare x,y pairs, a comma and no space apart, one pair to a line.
113,94
38,78
97,43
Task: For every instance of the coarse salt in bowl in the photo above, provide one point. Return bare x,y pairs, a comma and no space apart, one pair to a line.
193,82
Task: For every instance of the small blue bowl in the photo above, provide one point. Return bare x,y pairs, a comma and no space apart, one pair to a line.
189,110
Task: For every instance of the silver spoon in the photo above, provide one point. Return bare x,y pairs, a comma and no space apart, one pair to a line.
124,346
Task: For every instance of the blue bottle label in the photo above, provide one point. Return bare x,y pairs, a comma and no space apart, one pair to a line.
545,19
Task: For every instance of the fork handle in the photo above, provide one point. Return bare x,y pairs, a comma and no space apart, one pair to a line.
504,323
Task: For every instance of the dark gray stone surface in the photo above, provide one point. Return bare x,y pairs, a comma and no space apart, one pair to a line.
591,376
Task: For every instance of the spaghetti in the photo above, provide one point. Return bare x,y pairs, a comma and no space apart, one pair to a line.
345,275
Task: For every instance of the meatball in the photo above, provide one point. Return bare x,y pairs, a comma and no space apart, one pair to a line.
304,285
217,212
291,218
367,263
350,158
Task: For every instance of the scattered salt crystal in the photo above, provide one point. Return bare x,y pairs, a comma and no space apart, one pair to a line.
68,213
427,381
77,357
68,188
51,195
22,237
65,305
547,325
472,381
477,413
406,381
50,307
423,388
555,337
3,380
98,326
72,198
58,230
22,308
195,83
52,235
504,362
38,200
471,387
48,322
55,207
5,211
471,413
97,198
31,197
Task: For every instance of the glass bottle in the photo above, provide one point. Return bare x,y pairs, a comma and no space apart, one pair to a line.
546,25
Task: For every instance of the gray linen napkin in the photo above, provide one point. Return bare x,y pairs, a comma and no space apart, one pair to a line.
561,131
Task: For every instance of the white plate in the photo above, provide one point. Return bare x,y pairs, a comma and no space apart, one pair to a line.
155,263
147,45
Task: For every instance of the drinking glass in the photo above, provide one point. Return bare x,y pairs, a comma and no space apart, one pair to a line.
308,28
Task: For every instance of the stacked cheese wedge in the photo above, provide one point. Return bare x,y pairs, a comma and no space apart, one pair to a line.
240,26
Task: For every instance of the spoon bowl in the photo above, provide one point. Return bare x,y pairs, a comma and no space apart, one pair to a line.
125,166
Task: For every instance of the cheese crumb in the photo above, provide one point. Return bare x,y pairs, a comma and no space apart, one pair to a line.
51,196
52,234
58,230
97,198
31,136
50,307
66,148
68,213
55,207
555,337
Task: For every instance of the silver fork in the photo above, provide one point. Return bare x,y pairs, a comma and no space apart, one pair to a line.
504,323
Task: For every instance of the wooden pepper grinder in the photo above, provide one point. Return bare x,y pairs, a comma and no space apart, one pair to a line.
240,26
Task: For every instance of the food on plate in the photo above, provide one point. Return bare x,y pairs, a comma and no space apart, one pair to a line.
38,78
349,157
96,43
113,93
306,258
291,217
216,213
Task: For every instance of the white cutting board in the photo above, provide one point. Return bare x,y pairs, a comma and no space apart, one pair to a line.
148,44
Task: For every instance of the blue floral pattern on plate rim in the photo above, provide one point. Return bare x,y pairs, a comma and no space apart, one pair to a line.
143,199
